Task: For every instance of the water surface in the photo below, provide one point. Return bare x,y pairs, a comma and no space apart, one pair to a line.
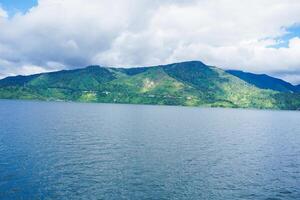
104,151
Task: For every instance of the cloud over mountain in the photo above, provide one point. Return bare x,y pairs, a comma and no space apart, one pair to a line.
235,34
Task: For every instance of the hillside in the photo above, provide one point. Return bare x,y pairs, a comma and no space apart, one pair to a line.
188,83
264,81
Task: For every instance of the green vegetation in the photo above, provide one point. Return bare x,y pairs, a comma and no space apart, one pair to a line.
187,84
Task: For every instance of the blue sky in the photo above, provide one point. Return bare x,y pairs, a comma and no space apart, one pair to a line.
292,32
13,6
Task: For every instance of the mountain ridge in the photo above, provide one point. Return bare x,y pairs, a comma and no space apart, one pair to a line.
190,83
264,81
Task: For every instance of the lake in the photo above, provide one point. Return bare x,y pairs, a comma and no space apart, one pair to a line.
56,150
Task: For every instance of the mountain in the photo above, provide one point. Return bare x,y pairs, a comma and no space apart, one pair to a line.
264,81
188,83
298,88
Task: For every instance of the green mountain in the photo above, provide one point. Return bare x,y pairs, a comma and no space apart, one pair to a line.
264,81
187,83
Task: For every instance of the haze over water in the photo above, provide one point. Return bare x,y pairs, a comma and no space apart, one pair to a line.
105,151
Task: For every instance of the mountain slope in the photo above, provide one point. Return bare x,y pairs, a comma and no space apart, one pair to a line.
298,88
220,88
264,81
188,83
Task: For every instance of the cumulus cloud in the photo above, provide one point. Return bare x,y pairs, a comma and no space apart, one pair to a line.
233,34
3,13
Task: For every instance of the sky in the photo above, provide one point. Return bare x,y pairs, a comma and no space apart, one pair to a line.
14,6
259,36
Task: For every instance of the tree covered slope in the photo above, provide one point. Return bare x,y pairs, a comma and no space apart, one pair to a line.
298,88
188,83
264,81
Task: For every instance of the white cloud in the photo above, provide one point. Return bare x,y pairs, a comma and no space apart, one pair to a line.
26,69
3,13
227,33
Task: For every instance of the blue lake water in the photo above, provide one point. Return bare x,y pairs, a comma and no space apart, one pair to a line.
104,151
